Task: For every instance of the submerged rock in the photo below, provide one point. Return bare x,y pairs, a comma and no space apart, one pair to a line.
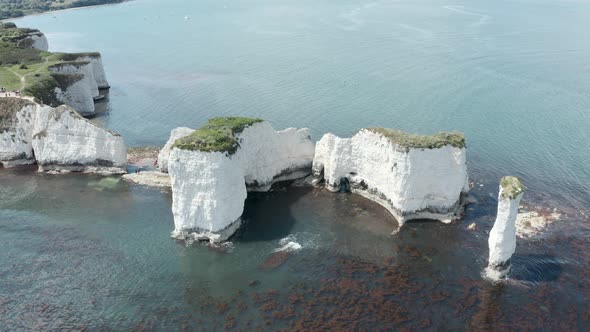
107,183
531,223
213,168
502,240
57,139
412,176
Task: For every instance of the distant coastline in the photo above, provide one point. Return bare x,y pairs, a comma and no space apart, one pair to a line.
18,11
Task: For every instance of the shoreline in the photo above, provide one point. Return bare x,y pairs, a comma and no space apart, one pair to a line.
12,19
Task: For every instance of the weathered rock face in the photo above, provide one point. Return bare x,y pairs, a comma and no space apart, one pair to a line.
413,177
165,152
66,141
81,89
209,186
95,61
17,117
502,240
59,139
34,39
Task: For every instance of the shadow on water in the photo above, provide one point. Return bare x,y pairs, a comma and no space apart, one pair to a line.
267,216
535,268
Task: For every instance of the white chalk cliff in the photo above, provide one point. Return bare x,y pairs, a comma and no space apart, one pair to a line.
34,39
209,187
81,88
412,176
40,42
502,240
95,60
17,118
165,151
57,139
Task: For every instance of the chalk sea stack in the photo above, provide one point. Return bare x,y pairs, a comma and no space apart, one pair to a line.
412,176
214,167
502,240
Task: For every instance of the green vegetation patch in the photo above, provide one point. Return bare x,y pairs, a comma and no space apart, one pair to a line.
435,141
217,135
9,80
75,56
42,87
7,25
61,65
8,108
511,187
13,35
36,68
10,54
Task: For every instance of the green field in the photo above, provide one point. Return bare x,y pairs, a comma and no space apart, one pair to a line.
9,80
27,69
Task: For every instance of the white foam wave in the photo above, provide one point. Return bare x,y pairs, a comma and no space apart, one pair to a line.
288,244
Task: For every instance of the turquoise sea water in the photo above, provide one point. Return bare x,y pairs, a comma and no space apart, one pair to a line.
513,75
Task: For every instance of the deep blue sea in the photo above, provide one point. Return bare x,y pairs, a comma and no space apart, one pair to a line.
84,252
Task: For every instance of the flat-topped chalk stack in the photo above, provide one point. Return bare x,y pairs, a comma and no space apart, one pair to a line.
412,176
214,167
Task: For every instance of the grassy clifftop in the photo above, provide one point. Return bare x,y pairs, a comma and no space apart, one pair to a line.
29,70
409,140
217,135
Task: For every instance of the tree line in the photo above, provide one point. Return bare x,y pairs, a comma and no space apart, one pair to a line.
17,8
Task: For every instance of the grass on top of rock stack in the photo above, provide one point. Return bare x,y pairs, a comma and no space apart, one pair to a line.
217,135
409,140
511,187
